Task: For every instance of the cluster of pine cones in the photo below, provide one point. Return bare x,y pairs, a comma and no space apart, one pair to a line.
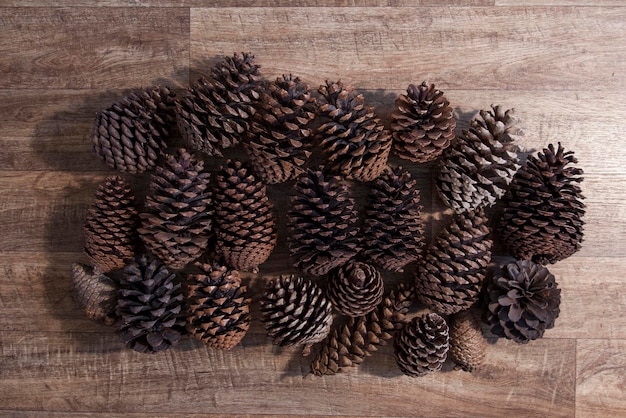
170,265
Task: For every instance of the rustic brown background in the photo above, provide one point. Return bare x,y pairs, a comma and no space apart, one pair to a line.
560,63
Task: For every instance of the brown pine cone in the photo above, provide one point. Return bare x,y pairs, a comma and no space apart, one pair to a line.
467,344
421,347
95,293
355,288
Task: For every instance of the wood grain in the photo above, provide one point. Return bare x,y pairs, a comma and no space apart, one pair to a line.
246,3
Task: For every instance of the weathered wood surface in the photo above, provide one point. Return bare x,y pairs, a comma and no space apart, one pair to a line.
560,63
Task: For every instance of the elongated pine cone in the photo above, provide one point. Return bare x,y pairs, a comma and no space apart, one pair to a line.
176,224
354,141
421,347
355,288
477,169
467,344
450,275
522,301
543,210
150,307
279,140
295,311
393,231
132,133
95,293
423,124
245,227
219,311
215,113
111,226
322,223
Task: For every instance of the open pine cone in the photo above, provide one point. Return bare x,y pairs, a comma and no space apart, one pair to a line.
95,293
421,347
355,288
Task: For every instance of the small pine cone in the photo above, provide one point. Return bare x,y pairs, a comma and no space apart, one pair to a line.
355,143
176,224
95,293
477,169
215,113
522,301
467,344
295,311
130,135
279,140
111,227
150,307
421,347
245,227
219,312
355,289
450,275
423,124
322,223
393,229
543,210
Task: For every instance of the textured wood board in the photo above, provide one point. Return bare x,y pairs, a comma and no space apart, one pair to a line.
246,3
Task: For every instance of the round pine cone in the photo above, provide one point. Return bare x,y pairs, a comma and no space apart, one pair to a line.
467,344
95,293
421,347
355,288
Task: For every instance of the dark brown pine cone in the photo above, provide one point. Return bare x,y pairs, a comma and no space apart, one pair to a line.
467,344
421,347
95,293
355,289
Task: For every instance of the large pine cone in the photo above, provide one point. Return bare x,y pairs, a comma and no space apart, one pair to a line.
219,312
176,224
130,135
423,124
522,301
542,216
477,169
215,113
355,289
393,228
421,347
467,344
111,227
450,275
245,227
279,140
295,311
355,143
95,293
150,307
322,223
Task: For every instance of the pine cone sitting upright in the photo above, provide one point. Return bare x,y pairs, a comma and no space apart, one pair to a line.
355,289
421,347
295,311
215,113
95,293
279,140
219,312
423,124
150,307
542,216
467,344
111,227
477,169
131,134
522,301
246,233
176,224
450,275
355,143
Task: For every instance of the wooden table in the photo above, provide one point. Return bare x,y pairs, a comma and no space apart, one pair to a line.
560,63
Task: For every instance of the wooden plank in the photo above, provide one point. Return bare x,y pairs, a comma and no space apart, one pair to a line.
581,3
246,3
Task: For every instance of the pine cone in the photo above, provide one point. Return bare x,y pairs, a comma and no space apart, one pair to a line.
176,224
477,169
421,347
349,344
467,344
111,227
279,142
355,288
215,113
354,141
393,229
295,311
451,273
130,135
423,125
522,301
219,312
95,293
245,229
542,216
322,223
150,307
